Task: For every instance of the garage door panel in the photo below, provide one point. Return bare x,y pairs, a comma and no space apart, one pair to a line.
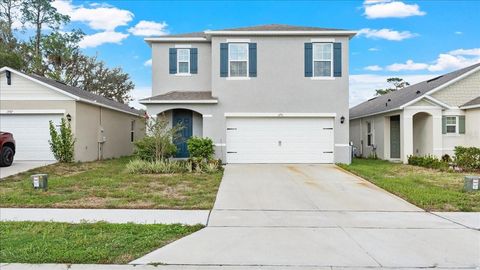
31,133
280,140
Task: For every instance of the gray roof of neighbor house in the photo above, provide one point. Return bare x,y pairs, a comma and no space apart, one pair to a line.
182,95
473,102
265,27
395,100
82,94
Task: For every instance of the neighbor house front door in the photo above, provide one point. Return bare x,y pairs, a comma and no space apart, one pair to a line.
184,119
395,136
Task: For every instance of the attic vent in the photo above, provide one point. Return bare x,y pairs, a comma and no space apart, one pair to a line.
434,79
389,100
418,92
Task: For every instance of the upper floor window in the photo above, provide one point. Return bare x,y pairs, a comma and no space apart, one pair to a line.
238,59
451,124
183,61
322,59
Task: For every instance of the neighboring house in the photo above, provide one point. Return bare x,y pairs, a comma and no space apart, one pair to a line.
264,94
431,117
103,128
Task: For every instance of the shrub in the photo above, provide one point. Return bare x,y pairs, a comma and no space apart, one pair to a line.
428,161
467,157
172,166
200,148
62,143
145,149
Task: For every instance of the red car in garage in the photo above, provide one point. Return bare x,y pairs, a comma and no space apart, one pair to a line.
7,149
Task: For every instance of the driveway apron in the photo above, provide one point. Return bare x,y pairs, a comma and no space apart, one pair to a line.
317,216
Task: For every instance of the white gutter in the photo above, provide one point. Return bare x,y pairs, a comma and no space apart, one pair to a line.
204,101
273,33
477,106
174,39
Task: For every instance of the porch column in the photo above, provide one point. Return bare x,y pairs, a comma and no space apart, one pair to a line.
407,135
437,138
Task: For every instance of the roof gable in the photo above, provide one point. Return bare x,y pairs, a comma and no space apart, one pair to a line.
408,95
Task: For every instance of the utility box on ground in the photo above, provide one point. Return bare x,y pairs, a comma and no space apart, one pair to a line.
471,183
40,181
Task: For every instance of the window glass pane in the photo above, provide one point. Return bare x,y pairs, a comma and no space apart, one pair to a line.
322,68
183,55
182,67
322,51
369,127
451,120
238,51
451,129
238,69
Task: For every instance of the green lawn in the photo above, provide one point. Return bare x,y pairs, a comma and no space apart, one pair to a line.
429,189
106,184
47,242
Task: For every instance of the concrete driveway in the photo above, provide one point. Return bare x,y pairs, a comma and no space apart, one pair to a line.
317,216
22,166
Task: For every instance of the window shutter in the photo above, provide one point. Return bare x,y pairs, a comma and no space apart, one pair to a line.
252,59
173,60
308,60
444,125
337,59
461,120
223,59
193,60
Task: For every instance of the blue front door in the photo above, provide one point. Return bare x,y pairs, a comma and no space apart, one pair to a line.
184,119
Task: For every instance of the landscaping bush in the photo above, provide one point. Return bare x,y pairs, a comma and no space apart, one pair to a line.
62,143
427,161
467,158
145,149
172,166
200,148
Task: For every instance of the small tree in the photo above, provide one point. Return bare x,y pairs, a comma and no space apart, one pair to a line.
62,143
158,144
398,83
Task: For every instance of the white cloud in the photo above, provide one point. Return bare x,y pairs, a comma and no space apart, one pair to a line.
391,9
137,94
409,65
373,68
374,49
455,59
100,38
385,33
149,28
362,86
458,32
96,16
148,63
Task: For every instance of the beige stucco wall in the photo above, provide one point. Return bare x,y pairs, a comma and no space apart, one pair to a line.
472,127
116,128
461,91
359,132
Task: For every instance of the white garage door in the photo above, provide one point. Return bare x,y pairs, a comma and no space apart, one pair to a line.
280,140
31,133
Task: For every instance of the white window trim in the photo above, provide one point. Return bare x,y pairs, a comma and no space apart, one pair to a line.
313,60
457,126
178,64
247,77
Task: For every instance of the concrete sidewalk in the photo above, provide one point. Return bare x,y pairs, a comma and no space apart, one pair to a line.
17,266
22,166
139,216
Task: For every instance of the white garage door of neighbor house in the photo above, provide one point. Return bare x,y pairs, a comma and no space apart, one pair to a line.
280,140
31,133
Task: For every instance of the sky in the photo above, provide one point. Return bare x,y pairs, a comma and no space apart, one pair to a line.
414,40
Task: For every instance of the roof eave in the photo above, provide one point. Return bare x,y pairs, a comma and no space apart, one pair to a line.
199,101
373,114
151,40
288,33
476,106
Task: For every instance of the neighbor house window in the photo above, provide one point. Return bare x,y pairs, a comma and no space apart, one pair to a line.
183,61
369,134
451,123
238,59
132,131
322,59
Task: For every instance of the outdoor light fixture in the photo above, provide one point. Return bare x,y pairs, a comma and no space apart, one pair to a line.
342,119
69,117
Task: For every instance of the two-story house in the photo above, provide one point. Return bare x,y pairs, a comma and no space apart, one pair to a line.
264,94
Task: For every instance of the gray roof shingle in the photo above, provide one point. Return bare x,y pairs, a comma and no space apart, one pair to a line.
264,27
398,98
473,102
182,95
101,100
